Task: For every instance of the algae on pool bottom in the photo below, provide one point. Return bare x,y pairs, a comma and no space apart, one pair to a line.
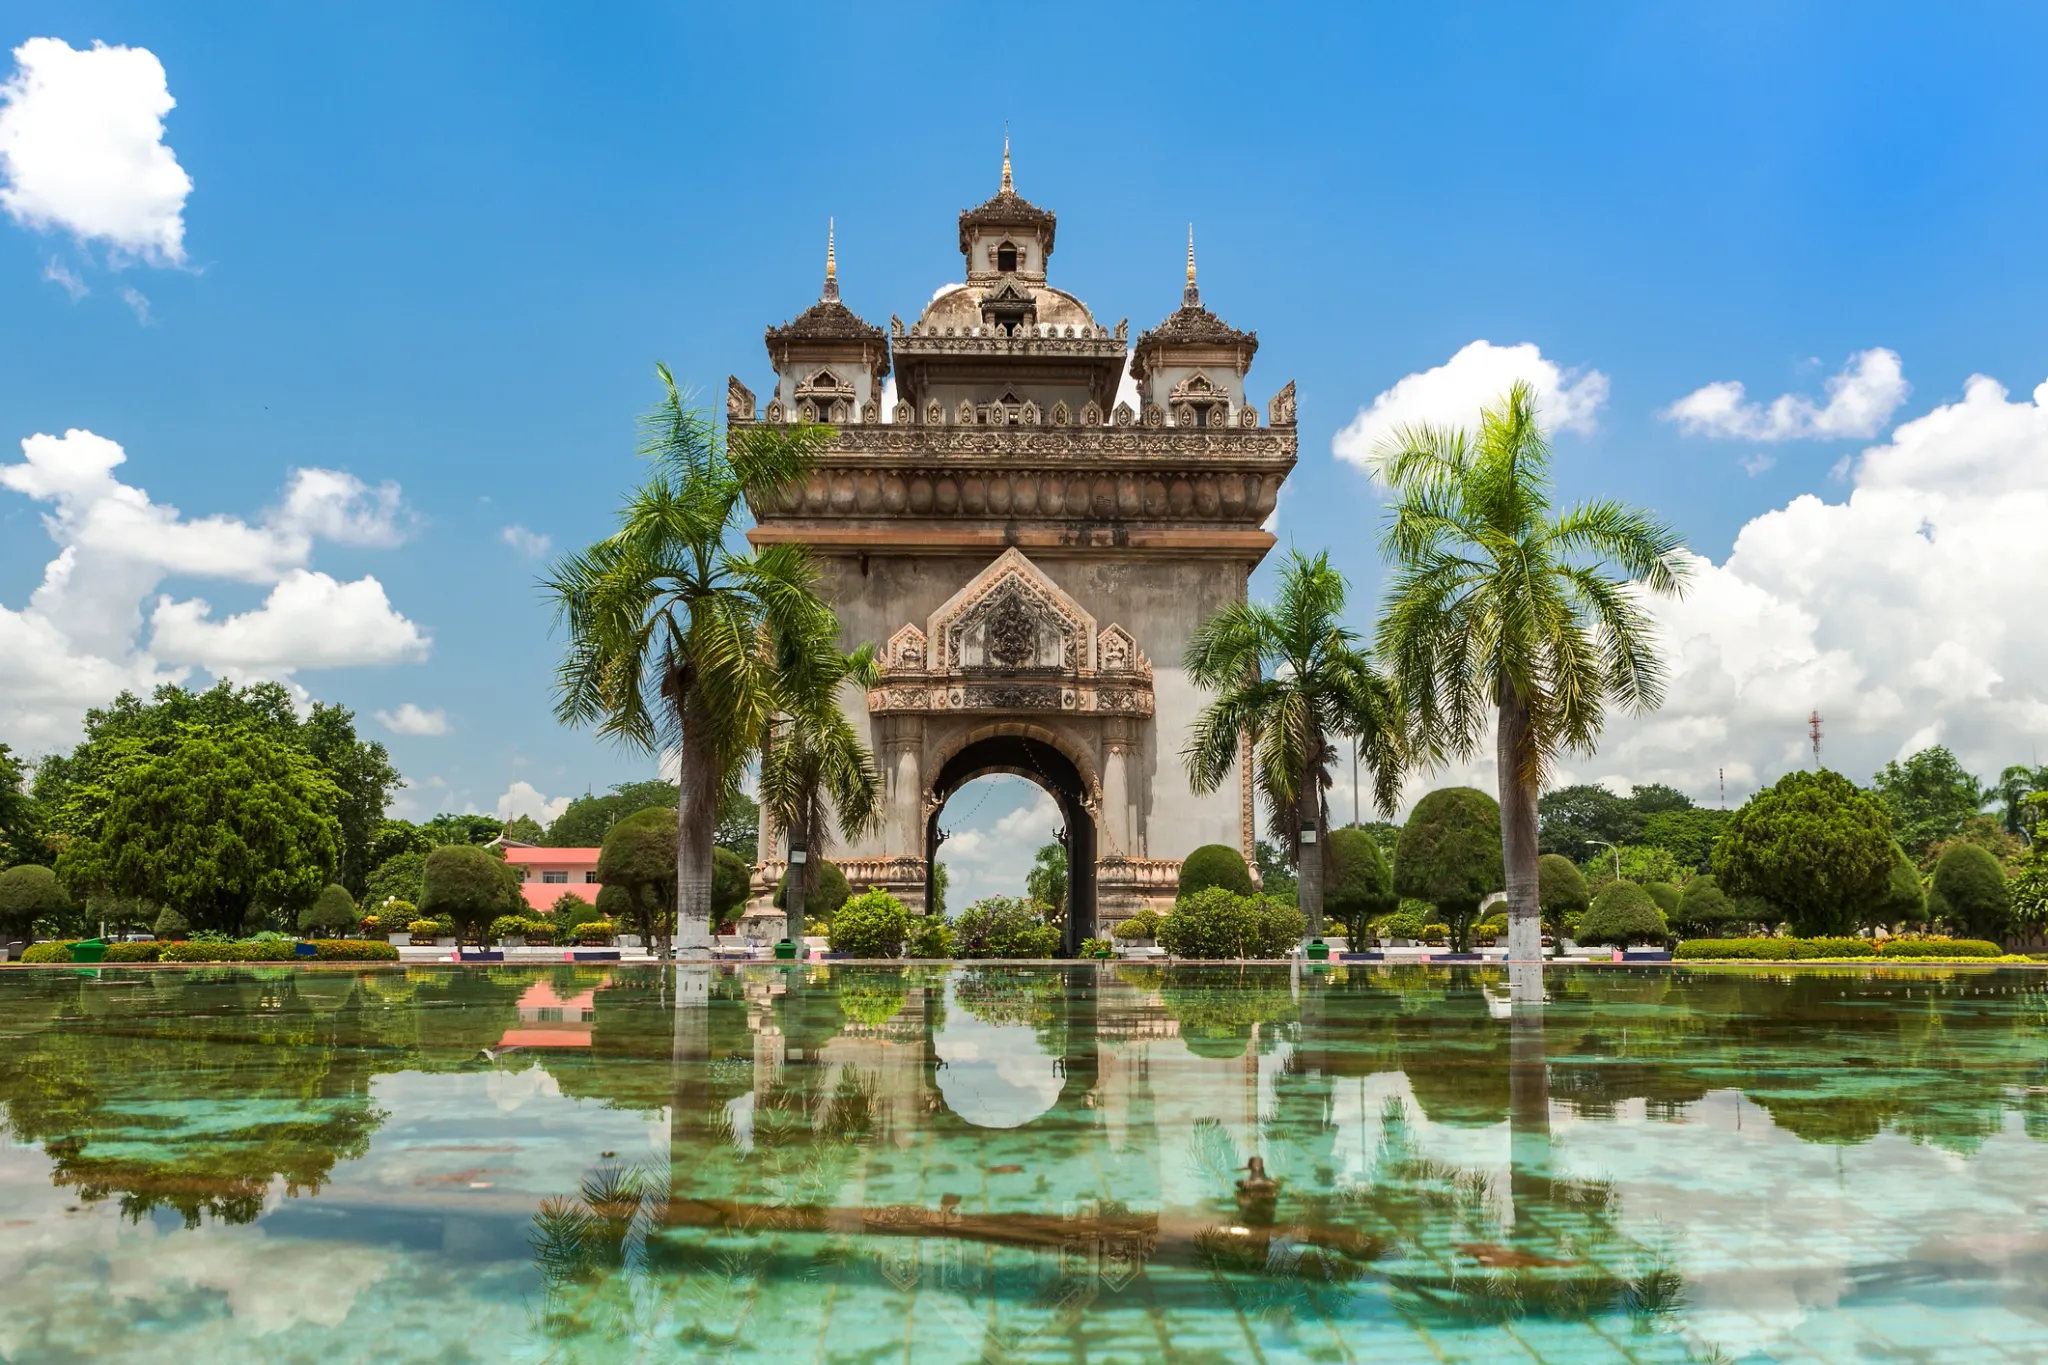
1013,1164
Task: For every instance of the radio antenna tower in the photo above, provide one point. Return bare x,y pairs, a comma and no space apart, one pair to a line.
1722,773
1813,732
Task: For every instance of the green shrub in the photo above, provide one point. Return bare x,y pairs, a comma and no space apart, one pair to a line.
508,926
1561,891
424,928
931,936
1705,907
597,933
1939,947
1448,854
1006,926
1436,933
1623,913
1096,947
58,951
1493,926
171,925
732,881
825,898
29,893
469,886
1665,896
537,931
872,924
1214,865
1782,949
354,950
1218,923
1144,924
131,952
1360,884
1403,924
200,950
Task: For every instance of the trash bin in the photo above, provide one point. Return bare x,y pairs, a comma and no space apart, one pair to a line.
305,950
89,950
785,951
1319,951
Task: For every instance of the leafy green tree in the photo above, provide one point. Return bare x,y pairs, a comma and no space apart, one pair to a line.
1638,863
1219,923
826,897
524,829
1213,865
1385,833
1006,926
585,821
939,879
171,926
1969,892
678,638
450,828
1665,896
1450,856
29,893
1576,820
2015,785
1814,847
397,879
1047,879
1929,796
394,837
639,854
1501,608
20,839
739,824
814,766
468,885
1561,891
359,771
333,910
1623,914
212,820
872,924
1687,835
1292,679
1361,882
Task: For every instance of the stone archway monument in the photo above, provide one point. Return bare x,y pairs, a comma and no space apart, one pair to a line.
1030,550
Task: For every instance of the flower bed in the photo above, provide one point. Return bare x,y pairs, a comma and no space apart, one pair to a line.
325,950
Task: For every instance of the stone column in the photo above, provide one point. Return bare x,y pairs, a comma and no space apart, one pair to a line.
903,766
1118,827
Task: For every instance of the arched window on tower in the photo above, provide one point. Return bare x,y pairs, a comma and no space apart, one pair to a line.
1006,258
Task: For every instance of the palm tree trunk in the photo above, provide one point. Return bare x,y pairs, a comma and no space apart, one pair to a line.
797,899
1308,857
698,790
1515,769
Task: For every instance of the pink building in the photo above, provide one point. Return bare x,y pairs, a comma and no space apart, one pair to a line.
546,874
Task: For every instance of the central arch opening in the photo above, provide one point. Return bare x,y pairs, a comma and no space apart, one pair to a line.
1042,763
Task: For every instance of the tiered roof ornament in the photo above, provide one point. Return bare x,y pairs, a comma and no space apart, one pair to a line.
1193,325
828,319
1007,211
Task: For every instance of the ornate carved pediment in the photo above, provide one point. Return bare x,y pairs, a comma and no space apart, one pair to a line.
1280,409
1013,640
739,400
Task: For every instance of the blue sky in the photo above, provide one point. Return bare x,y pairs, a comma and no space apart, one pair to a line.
443,247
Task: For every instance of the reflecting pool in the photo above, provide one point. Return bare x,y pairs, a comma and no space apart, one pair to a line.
1086,1164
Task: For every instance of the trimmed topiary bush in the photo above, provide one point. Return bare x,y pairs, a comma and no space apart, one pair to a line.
1144,924
732,881
46,953
29,893
1969,891
1218,923
1665,896
507,926
332,909
1214,865
826,897
1623,914
1705,907
597,933
1403,924
171,926
1005,926
468,886
872,924
1359,887
931,937
1449,855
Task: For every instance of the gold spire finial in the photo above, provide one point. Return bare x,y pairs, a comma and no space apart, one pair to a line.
832,264
1006,161
1191,253
1191,296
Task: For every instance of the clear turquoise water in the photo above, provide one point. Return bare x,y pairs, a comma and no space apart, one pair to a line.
1007,1165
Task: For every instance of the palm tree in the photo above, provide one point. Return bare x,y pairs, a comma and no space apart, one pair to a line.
670,626
813,765
1289,678
1498,604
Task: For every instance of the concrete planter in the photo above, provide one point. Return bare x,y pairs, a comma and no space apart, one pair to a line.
399,940
447,942
511,943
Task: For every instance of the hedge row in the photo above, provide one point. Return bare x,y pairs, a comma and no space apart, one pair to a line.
1803,949
327,950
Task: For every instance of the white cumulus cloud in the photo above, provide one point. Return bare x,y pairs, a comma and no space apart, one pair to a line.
1861,398
531,544
82,149
75,643
309,620
523,798
1908,614
1454,393
409,719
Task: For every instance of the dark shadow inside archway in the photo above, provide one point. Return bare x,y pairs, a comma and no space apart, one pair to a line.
1055,772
